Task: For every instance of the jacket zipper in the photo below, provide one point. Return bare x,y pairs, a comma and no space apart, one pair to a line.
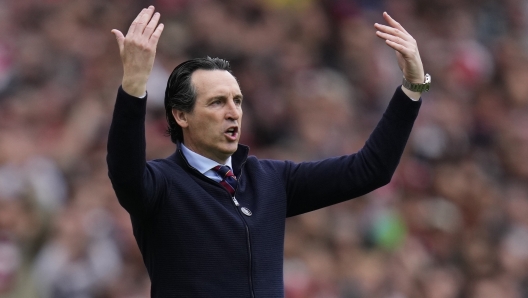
247,237
235,202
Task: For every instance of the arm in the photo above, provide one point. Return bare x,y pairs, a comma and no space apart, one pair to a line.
137,185
314,185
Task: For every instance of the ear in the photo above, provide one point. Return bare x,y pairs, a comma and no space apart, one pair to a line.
180,117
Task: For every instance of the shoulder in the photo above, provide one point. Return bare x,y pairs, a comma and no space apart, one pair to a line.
266,165
165,166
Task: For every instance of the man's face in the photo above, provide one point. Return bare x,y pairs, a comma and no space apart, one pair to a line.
213,128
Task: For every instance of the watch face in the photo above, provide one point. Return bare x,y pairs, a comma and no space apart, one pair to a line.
427,79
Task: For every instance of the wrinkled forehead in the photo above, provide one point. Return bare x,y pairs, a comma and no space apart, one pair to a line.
211,83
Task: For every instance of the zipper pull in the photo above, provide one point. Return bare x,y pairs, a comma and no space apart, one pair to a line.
236,202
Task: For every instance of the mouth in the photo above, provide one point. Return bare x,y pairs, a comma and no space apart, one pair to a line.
232,133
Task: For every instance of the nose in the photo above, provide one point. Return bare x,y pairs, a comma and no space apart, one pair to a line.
234,110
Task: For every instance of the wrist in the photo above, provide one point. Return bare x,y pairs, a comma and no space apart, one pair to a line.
414,96
133,88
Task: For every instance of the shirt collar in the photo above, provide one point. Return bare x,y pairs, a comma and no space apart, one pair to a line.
200,162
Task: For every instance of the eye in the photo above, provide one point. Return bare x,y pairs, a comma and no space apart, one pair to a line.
238,101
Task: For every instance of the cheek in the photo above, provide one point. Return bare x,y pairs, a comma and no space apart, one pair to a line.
209,129
203,124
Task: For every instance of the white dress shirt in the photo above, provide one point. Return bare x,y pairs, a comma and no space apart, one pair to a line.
203,164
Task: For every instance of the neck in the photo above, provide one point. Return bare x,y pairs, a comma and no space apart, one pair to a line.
219,159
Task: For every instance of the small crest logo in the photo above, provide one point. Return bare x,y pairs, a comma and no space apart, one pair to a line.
246,211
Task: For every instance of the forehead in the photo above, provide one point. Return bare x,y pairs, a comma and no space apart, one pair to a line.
211,83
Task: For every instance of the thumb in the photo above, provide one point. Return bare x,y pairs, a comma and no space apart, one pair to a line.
120,38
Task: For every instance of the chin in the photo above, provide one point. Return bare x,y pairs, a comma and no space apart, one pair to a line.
231,148
234,148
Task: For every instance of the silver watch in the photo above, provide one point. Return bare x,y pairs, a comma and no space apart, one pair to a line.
424,87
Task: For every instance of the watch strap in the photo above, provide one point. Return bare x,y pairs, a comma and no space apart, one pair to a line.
424,87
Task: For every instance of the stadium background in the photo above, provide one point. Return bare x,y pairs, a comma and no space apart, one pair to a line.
452,223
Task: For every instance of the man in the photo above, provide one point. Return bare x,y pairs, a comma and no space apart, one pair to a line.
203,231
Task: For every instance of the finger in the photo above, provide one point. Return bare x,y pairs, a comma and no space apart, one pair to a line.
136,20
152,25
120,39
393,22
394,31
395,39
154,38
406,52
143,21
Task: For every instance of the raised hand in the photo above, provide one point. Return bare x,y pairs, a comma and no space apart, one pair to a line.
404,44
138,50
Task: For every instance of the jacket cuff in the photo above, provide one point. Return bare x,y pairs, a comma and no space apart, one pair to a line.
130,106
403,107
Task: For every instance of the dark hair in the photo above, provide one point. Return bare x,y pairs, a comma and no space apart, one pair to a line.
180,94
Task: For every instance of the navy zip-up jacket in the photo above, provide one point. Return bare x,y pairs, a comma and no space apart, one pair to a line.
196,242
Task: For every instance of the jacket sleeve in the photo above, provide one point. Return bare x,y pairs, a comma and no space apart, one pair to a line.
313,185
137,184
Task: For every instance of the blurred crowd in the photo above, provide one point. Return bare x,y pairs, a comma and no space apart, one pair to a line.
452,223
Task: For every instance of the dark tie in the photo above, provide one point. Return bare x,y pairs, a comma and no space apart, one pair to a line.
229,181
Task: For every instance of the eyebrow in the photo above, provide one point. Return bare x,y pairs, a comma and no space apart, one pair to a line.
238,96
